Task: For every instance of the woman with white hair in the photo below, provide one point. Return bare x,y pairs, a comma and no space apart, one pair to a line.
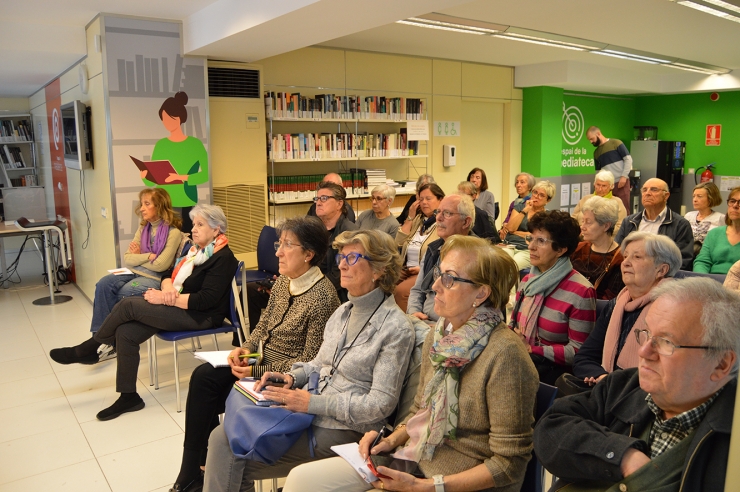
193,295
597,257
649,260
603,186
380,217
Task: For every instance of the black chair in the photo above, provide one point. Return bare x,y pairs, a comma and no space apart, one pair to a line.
496,211
534,477
714,276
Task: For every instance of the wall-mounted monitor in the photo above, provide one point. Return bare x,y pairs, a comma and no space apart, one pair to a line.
77,138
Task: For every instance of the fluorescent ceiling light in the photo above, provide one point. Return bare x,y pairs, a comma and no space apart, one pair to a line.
710,10
547,42
442,28
554,39
689,69
475,29
701,67
625,57
724,5
638,57
543,43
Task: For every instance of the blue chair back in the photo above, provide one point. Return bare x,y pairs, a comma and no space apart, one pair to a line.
715,276
533,477
267,262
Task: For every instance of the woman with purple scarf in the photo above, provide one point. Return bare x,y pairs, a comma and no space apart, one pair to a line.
153,250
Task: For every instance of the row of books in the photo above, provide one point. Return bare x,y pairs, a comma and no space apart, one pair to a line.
12,158
18,131
332,106
304,186
27,180
315,146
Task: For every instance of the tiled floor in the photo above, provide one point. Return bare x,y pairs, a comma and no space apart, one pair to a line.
50,439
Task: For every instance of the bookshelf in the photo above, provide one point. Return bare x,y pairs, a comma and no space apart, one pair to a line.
17,151
344,134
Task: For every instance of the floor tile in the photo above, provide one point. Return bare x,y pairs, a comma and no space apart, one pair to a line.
79,477
143,468
31,390
35,419
30,367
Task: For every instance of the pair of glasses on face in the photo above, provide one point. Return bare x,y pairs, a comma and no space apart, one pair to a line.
538,241
731,202
377,198
285,244
653,190
323,198
662,345
446,213
448,280
540,195
351,258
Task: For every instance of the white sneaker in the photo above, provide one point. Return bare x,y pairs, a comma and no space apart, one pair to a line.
106,352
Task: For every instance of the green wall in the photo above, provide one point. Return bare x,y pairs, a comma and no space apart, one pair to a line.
686,116
542,111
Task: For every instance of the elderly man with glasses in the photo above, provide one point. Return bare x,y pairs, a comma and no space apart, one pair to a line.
666,424
659,219
455,215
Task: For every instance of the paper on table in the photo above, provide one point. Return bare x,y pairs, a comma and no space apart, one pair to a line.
121,271
351,454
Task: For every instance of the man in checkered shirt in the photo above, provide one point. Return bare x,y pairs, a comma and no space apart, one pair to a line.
666,424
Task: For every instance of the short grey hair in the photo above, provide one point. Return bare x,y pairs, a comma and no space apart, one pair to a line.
530,179
213,214
466,208
604,210
605,176
660,248
388,192
424,179
547,187
719,310
466,187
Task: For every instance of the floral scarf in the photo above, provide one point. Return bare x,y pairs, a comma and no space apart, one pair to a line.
196,256
449,355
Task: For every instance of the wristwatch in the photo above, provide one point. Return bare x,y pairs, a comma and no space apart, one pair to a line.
439,483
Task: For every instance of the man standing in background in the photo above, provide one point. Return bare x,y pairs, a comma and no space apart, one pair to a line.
613,156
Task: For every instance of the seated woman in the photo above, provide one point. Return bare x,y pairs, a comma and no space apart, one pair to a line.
362,363
649,260
482,227
597,257
483,199
420,181
290,330
603,186
380,217
523,183
721,247
470,426
555,306
517,227
413,237
703,218
194,296
149,254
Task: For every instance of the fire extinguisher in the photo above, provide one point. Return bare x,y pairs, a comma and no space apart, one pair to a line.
707,175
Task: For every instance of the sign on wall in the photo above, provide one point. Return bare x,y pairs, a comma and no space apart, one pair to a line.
446,129
574,154
713,136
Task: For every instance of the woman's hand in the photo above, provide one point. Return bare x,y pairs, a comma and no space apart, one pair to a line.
134,248
239,366
176,177
292,399
398,480
593,381
367,440
168,298
523,339
420,315
152,257
265,380
144,173
412,271
414,209
503,232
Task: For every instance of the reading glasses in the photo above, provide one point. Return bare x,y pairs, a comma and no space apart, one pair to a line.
351,258
448,280
662,345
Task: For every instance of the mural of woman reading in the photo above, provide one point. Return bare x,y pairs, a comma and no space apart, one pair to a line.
187,155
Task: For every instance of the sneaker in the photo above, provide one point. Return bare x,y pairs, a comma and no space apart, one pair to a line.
130,402
106,352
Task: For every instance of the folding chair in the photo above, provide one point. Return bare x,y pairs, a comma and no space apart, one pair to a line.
534,476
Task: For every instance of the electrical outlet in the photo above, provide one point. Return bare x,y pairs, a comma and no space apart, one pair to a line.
104,212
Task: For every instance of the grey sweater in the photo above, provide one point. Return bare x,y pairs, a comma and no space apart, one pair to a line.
364,388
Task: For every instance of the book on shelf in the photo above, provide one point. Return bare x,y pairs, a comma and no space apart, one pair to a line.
315,146
19,131
332,106
303,187
14,157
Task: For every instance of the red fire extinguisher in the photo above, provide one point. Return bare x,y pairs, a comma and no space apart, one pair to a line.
707,175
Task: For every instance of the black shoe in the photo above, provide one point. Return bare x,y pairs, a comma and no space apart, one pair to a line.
125,403
67,355
195,485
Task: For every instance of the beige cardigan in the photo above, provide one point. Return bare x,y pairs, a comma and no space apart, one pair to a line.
497,400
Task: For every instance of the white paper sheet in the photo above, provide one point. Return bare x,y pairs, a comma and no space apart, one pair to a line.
351,454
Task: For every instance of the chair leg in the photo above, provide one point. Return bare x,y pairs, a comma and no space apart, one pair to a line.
177,377
258,485
215,341
192,344
274,484
156,363
149,358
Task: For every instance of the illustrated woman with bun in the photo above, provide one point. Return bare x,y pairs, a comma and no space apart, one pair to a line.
186,154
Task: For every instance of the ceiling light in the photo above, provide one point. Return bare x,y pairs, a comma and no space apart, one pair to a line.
483,30
702,67
625,57
442,28
636,56
710,10
553,39
689,69
543,43
724,5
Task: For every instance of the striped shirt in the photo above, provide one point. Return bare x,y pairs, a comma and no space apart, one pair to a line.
614,157
566,319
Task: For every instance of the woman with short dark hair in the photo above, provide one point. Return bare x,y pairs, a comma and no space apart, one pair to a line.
555,307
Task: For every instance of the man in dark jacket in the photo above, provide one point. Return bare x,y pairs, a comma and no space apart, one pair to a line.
666,424
659,219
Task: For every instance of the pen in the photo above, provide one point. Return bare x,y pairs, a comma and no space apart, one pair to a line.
380,435
245,356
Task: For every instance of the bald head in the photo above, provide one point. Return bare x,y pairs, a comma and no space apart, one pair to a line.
594,136
334,178
655,194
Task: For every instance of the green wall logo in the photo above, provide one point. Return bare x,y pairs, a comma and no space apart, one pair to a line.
572,131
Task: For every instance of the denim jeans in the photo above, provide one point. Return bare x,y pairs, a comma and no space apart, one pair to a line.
111,289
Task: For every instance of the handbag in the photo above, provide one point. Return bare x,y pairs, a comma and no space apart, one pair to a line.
265,434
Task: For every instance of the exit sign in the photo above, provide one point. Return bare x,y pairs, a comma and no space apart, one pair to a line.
713,136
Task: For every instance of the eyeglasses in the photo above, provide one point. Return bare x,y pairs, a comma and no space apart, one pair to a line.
377,198
539,195
538,241
448,280
662,345
653,189
731,202
323,198
285,245
446,213
351,258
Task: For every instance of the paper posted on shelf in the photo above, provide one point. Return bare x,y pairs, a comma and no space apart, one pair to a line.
121,271
351,454
417,130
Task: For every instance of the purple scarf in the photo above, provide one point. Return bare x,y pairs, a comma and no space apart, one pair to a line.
160,240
